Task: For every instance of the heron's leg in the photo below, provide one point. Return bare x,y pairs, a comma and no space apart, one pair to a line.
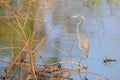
86,63
86,60
81,58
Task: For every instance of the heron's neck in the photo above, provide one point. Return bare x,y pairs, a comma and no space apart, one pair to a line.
78,31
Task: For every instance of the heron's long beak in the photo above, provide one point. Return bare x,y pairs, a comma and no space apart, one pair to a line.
75,16
82,18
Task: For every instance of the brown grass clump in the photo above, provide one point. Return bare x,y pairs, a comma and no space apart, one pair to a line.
23,44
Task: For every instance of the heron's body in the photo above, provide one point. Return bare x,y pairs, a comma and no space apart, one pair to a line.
83,41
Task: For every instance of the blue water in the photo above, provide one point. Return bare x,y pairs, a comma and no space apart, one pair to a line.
101,27
102,23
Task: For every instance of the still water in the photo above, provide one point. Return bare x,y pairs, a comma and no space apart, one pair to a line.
101,26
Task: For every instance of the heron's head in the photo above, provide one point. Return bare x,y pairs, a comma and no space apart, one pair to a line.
74,16
82,18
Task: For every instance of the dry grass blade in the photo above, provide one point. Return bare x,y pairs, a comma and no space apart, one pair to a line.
43,39
76,63
18,22
26,18
4,1
17,57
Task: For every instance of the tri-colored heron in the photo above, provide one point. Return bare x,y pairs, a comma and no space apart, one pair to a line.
83,42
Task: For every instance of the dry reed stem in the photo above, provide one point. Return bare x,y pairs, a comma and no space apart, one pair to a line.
19,34
39,45
21,27
18,22
12,46
64,53
23,74
4,1
32,64
17,63
70,51
53,64
30,2
43,39
56,78
26,18
17,57
76,63
32,57
9,48
40,7
51,69
7,17
13,17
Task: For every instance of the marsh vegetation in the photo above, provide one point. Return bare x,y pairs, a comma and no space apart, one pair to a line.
40,41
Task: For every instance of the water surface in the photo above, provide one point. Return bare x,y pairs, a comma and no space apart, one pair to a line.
101,26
